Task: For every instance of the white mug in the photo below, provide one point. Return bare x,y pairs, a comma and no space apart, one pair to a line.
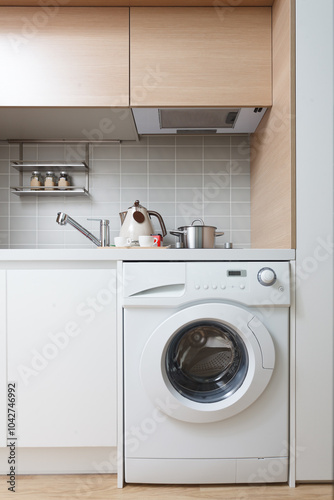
147,241
122,241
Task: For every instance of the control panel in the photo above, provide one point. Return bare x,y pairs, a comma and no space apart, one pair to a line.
175,283
231,279
252,283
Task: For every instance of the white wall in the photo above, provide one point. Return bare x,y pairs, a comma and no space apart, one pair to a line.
314,297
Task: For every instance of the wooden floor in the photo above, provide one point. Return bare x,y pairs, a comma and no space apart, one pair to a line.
104,487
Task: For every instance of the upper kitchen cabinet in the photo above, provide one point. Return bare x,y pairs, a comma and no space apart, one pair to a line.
200,56
64,56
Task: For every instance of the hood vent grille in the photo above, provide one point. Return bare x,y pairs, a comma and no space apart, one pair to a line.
199,118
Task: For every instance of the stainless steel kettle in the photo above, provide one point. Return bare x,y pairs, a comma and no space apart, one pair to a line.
136,222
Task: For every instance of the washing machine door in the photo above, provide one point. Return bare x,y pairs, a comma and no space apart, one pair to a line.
207,362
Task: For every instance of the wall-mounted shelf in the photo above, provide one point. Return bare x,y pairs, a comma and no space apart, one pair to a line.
24,167
54,191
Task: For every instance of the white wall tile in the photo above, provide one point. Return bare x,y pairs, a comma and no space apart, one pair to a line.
240,181
217,209
189,181
217,167
165,194
133,153
240,194
134,166
4,195
4,180
189,167
184,140
161,153
160,181
161,167
217,153
22,223
217,140
4,167
161,140
240,140
4,152
101,152
105,166
189,153
133,181
240,167
240,223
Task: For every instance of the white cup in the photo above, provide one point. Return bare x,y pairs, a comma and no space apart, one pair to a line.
122,241
147,241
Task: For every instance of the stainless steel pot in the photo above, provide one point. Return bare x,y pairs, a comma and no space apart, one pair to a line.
197,236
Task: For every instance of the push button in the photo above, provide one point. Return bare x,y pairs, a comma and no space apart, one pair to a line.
242,286
206,287
214,287
197,287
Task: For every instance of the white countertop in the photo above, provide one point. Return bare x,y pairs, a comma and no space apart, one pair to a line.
146,254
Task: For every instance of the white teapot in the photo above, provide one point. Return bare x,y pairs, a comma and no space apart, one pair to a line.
136,222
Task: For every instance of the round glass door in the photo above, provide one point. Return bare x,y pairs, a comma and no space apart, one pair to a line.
206,361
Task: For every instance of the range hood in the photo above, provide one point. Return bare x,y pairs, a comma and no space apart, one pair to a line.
121,124
197,120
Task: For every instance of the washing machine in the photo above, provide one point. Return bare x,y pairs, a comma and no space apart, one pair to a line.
206,372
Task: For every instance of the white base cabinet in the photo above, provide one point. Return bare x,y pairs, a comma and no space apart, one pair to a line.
62,356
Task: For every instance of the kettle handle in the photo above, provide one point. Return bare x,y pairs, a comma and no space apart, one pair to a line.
161,222
122,216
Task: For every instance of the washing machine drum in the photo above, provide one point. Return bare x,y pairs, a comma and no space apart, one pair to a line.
207,362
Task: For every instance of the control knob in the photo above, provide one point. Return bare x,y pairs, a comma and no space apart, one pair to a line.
266,276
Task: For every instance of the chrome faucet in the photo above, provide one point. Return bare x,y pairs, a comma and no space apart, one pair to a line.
104,240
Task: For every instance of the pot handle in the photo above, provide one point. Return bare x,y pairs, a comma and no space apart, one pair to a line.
160,219
219,233
177,233
198,220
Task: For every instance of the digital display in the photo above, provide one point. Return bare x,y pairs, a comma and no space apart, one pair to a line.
237,273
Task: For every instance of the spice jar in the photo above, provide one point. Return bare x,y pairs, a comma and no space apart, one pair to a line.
50,180
63,180
36,179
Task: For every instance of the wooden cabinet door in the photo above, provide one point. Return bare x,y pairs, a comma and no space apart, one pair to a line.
62,56
3,361
200,56
62,356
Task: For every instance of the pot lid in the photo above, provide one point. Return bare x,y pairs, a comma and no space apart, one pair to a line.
196,225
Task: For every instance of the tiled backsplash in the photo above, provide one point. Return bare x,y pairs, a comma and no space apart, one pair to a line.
182,178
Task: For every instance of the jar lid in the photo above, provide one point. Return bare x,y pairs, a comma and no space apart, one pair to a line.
36,172
63,173
49,174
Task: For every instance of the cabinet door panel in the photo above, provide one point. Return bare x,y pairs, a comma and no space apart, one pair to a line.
3,361
62,56
62,355
200,56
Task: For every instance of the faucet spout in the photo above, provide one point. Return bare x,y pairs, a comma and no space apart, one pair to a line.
63,219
